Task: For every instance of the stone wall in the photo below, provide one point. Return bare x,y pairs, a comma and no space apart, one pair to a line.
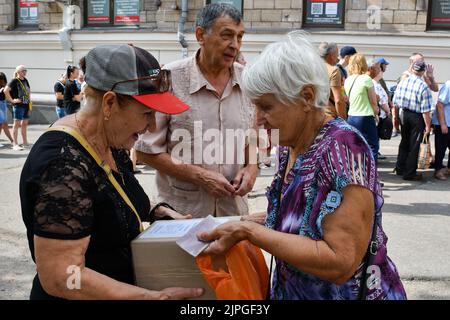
259,15
396,15
6,14
50,16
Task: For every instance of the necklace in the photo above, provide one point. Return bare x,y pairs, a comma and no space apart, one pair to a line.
116,169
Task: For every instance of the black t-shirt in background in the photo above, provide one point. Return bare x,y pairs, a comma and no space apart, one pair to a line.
17,91
70,91
59,87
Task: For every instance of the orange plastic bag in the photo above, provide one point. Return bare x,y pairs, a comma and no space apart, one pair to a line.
241,274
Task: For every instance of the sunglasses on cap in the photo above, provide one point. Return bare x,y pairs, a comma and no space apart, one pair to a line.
160,83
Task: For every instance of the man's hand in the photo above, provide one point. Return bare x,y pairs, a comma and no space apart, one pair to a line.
17,101
427,129
430,72
162,212
444,129
245,179
216,184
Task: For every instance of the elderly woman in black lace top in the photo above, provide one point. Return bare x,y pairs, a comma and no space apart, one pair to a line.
81,220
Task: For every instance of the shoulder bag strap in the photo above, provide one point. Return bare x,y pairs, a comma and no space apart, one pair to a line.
280,197
24,89
102,164
350,91
370,256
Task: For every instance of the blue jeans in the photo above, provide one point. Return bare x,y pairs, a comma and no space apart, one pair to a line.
368,128
3,112
60,112
21,112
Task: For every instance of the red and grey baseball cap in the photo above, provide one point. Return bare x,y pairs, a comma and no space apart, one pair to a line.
132,71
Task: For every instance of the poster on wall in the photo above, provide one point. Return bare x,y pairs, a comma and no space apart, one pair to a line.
98,12
439,17
320,13
28,12
236,3
126,12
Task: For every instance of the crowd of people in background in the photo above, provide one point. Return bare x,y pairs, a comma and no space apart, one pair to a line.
360,95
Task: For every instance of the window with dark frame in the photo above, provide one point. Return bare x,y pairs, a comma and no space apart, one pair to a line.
324,14
438,15
111,13
26,14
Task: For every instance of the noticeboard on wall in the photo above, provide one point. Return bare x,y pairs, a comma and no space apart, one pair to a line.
98,12
239,4
439,15
27,13
324,13
126,12
109,13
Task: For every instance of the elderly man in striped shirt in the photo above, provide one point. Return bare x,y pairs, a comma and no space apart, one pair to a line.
413,96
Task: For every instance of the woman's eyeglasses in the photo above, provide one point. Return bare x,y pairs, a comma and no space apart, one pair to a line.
162,82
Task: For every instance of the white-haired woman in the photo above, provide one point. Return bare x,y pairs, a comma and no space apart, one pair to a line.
18,93
325,201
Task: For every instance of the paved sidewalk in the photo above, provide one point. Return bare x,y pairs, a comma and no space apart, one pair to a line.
416,220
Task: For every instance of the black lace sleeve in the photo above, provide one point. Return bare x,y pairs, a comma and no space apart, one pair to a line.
63,207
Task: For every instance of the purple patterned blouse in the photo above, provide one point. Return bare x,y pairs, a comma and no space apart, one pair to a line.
338,157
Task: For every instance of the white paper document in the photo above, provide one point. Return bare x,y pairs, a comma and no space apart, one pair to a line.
331,9
170,229
190,243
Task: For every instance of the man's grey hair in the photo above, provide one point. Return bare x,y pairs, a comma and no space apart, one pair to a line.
284,68
325,48
372,63
208,15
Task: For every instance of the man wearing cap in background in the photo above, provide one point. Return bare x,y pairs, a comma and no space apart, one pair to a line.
428,76
345,54
380,79
209,82
81,204
383,65
413,96
376,73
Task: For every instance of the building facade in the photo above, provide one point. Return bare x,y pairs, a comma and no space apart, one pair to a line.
47,35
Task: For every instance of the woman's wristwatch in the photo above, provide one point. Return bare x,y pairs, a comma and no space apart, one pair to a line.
153,212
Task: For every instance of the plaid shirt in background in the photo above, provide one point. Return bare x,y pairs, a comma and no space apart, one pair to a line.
414,95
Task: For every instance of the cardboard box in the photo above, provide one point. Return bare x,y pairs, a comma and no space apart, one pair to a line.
160,263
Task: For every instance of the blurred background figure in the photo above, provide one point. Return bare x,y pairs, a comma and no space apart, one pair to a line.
4,109
72,96
363,101
58,88
441,122
329,52
18,93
